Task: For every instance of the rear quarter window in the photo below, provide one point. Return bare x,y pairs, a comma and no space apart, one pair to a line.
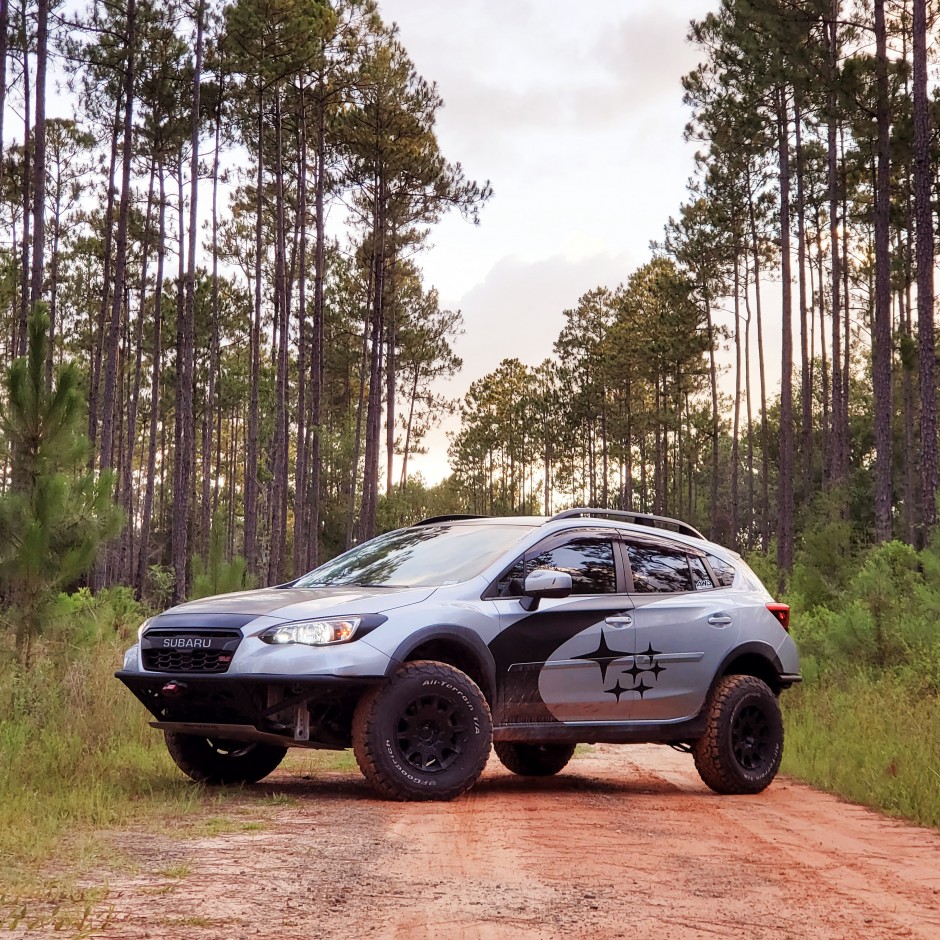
659,570
722,570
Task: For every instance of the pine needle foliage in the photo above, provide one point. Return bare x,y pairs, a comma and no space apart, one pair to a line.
56,514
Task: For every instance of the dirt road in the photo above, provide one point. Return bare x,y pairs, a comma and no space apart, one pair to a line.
626,843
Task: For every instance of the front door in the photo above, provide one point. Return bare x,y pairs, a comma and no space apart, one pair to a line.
559,662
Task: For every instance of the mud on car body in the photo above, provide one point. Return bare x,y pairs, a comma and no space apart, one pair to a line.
424,647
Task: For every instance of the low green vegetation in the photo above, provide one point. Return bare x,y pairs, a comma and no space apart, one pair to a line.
866,722
77,756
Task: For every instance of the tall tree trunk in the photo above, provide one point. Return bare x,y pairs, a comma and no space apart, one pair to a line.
4,27
785,481
374,405
713,376
838,442
925,285
806,372
25,188
316,349
143,562
736,430
185,455
301,509
39,152
105,450
126,569
279,482
762,372
98,337
251,449
881,345
210,475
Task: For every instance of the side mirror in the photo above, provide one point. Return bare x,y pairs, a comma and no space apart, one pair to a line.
544,582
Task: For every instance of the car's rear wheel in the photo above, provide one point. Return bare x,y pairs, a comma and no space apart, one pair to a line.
218,761
424,735
533,760
742,746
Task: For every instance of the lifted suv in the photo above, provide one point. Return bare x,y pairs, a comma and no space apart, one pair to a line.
425,645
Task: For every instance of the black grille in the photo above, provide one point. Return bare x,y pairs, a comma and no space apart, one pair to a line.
202,651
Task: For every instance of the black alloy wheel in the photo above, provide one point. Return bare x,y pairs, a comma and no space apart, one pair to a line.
431,733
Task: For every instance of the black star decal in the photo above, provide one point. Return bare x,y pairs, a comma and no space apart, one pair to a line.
603,656
618,690
656,670
641,688
649,651
634,671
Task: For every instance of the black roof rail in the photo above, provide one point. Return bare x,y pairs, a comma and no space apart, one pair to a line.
638,518
452,517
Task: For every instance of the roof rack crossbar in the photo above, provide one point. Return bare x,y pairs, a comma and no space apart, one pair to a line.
639,518
452,517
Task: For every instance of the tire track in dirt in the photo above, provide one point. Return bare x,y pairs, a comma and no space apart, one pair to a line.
626,842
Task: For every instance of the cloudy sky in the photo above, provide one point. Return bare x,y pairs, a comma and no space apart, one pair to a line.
574,113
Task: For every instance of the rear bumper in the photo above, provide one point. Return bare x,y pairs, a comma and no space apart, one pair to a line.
303,710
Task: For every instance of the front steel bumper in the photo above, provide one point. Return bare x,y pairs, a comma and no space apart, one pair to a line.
303,711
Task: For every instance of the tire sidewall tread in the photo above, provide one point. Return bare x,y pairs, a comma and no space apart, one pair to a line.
377,755
713,752
533,760
196,757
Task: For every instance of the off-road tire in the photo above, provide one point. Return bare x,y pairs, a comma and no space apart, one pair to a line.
533,760
217,762
741,748
423,735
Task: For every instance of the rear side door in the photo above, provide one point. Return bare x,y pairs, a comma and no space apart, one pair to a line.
684,624
556,663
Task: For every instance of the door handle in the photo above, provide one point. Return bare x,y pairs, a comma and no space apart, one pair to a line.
719,620
619,622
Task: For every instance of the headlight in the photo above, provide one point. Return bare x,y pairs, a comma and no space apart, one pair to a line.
130,659
142,627
313,632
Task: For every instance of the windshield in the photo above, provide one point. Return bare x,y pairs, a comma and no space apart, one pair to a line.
424,556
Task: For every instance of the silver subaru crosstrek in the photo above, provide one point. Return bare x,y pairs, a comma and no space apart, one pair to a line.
425,646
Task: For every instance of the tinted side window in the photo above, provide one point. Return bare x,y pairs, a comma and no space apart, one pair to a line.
701,579
590,563
659,570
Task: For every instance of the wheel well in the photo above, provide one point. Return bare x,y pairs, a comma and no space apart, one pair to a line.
753,664
456,655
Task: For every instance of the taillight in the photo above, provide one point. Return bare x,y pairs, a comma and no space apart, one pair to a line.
782,613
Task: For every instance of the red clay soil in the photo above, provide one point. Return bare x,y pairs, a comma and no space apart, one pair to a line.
627,842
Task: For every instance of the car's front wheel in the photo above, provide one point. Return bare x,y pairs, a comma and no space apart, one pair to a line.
424,735
533,760
216,761
742,746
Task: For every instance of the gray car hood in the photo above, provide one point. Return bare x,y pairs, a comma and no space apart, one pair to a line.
288,603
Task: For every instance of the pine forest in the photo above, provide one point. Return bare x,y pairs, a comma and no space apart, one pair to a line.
219,253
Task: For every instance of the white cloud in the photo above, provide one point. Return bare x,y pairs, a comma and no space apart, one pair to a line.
574,113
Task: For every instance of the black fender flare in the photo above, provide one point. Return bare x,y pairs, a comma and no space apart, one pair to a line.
752,648
464,637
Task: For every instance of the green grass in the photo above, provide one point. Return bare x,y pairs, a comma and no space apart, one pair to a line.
78,758
870,738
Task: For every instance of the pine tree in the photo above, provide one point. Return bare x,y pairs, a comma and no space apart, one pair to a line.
57,514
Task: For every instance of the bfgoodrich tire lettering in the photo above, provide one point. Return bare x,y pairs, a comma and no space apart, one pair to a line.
533,760
424,735
216,761
741,748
